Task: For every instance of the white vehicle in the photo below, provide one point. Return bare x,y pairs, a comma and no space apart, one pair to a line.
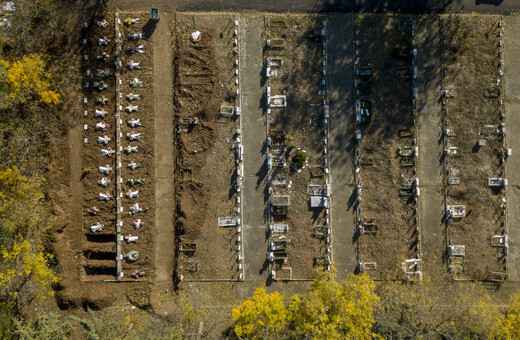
132,108
96,227
130,149
132,96
134,123
106,152
105,169
105,196
103,140
104,182
100,113
134,136
132,194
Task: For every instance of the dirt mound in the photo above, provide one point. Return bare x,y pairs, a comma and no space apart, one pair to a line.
197,102
196,78
191,201
200,138
139,295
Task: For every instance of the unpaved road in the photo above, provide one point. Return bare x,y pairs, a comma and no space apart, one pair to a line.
341,86
431,201
367,6
164,166
512,102
254,130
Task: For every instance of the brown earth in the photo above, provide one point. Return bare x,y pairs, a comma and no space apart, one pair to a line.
381,174
145,155
303,122
472,57
86,258
204,79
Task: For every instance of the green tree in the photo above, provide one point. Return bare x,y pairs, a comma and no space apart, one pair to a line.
333,310
299,159
46,325
96,328
6,322
262,317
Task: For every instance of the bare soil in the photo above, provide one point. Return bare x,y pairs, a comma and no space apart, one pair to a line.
79,252
94,260
99,265
145,154
471,60
380,173
302,122
206,165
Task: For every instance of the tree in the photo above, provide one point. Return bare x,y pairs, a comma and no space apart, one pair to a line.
299,159
333,310
38,25
28,80
22,262
434,308
46,325
507,326
264,316
19,196
98,329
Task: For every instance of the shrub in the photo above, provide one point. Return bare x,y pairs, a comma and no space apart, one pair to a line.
299,159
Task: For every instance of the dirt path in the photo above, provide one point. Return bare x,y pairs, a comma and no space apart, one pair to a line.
255,166
512,101
164,166
379,6
431,202
341,141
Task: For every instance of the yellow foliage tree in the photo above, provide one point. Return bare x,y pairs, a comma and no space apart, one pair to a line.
27,79
264,316
19,197
507,326
22,262
333,310
21,212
